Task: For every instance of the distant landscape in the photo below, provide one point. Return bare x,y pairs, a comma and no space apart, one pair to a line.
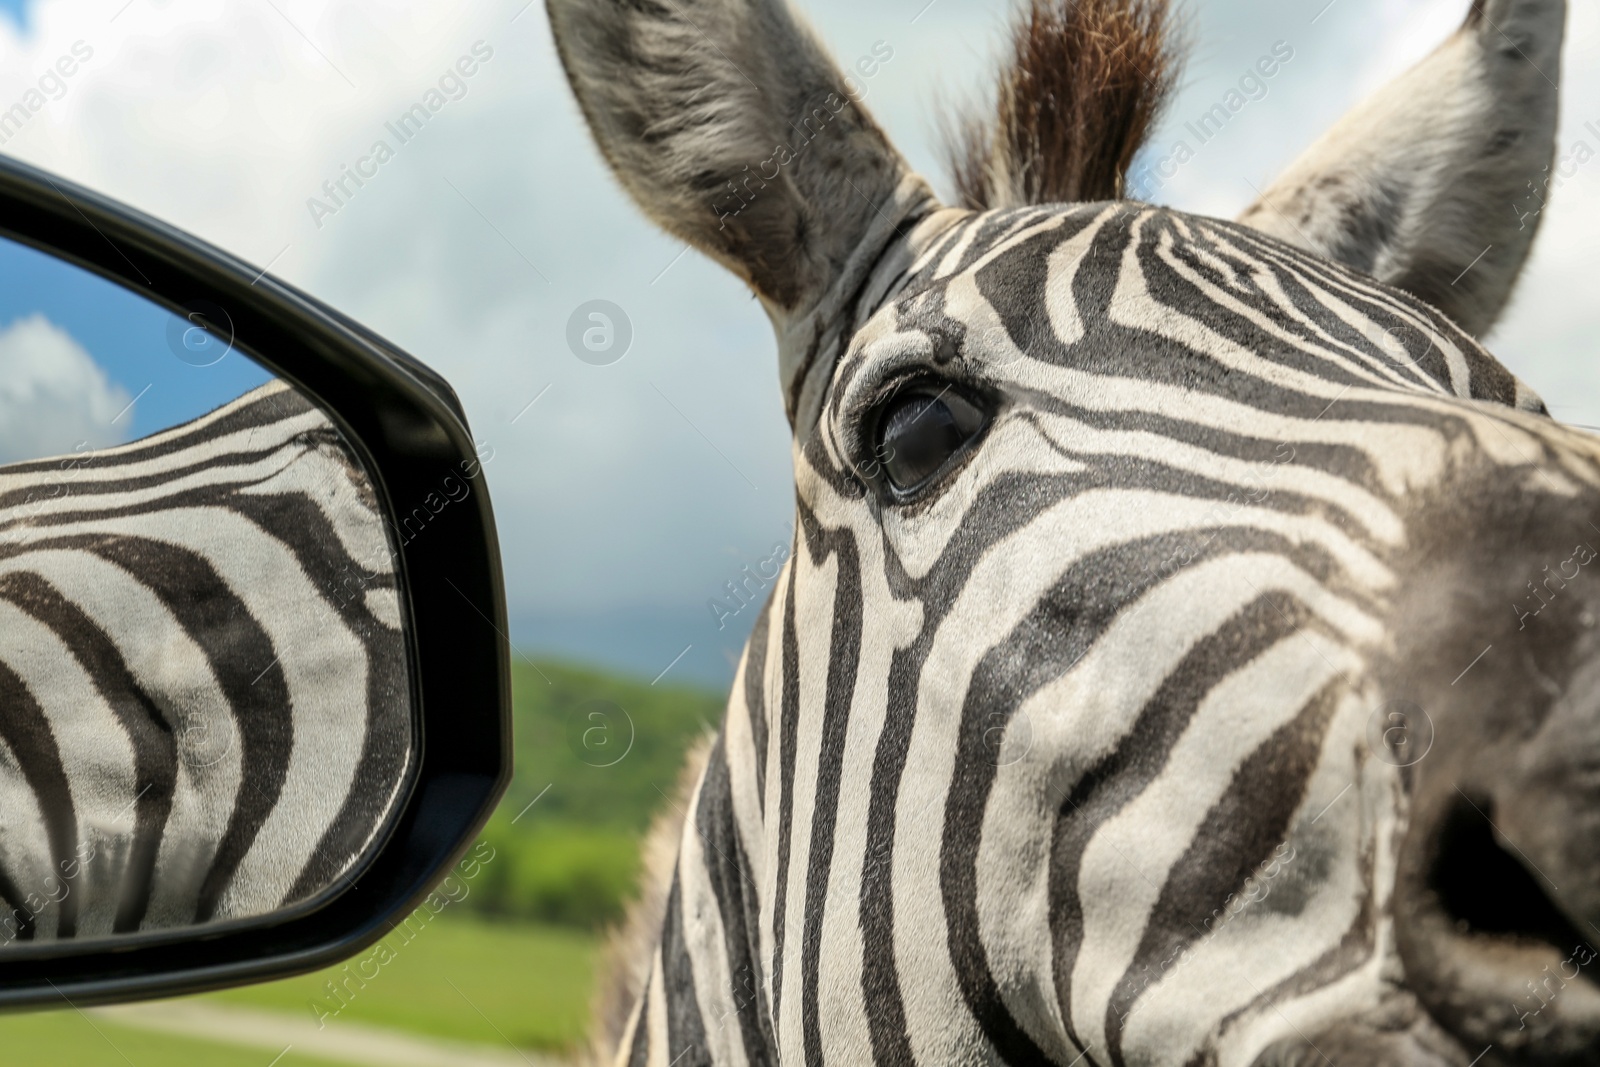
600,752
508,965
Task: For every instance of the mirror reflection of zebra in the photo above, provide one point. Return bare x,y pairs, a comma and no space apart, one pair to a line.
1184,657
205,710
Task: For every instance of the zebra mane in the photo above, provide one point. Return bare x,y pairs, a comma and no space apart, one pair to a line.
1080,91
630,947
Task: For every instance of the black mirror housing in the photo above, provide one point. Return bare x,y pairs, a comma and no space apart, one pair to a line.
407,427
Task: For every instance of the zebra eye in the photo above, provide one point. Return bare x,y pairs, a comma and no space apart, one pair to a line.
919,432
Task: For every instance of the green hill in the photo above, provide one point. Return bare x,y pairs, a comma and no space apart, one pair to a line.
596,754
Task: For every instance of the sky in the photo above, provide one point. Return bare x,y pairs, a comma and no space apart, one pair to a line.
629,490
86,363
54,398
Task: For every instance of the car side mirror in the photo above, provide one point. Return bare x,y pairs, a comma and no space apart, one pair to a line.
254,672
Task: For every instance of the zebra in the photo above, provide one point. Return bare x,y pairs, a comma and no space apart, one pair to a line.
1184,656
205,707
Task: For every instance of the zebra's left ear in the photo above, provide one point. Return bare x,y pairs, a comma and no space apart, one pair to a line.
1435,183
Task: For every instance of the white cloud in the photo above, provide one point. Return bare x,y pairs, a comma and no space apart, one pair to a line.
53,394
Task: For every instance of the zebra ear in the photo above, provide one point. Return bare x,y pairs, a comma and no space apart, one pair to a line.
730,126
1435,183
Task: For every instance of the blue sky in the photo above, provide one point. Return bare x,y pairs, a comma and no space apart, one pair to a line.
126,335
628,495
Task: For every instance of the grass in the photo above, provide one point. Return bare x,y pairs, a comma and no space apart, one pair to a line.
461,978
596,754
54,1038
606,745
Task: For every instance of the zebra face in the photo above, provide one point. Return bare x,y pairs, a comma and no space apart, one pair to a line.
1185,654
1171,668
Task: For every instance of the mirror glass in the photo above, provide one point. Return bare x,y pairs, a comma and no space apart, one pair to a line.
205,707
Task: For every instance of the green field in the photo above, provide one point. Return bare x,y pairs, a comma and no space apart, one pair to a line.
599,752
461,978
513,960
55,1038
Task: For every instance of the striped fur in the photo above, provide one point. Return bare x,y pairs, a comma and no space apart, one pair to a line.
997,768
1067,755
205,711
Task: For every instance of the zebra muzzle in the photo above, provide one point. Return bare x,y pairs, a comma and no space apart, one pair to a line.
1497,899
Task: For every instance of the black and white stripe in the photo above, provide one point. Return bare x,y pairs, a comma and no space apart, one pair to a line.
206,622
1000,766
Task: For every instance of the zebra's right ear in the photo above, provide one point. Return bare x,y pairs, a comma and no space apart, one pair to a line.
729,125
1434,184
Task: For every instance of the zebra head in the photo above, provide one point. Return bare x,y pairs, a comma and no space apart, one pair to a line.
1188,653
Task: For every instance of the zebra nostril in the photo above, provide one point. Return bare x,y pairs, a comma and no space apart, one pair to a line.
1485,890
1486,946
